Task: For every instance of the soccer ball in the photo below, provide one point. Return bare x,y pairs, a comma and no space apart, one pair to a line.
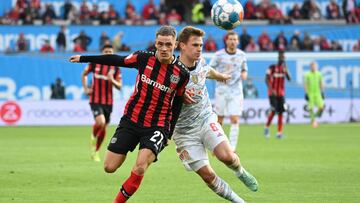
227,14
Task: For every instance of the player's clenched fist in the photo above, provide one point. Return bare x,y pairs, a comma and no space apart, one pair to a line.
75,59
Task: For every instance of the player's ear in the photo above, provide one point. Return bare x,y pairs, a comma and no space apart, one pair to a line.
177,44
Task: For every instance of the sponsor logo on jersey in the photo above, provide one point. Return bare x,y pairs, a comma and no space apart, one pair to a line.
151,82
174,79
98,76
195,78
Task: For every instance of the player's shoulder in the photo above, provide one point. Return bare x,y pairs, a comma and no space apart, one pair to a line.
240,52
144,53
183,69
220,52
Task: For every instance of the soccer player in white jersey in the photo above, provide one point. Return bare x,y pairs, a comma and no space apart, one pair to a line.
197,128
229,96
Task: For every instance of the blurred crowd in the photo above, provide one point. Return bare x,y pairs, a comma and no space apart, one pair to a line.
28,12
308,10
294,42
297,42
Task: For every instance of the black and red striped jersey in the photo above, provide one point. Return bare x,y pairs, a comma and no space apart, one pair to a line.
276,82
101,86
156,86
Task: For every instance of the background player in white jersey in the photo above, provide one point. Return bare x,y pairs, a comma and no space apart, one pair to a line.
229,96
197,128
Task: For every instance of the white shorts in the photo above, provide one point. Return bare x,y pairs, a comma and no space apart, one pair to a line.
192,147
227,104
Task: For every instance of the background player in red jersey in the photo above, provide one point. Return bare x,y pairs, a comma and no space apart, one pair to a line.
275,81
153,107
101,97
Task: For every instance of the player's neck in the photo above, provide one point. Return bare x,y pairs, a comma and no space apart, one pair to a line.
186,61
230,51
166,61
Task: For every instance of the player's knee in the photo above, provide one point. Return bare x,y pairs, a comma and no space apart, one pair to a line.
109,168
140,168
226,157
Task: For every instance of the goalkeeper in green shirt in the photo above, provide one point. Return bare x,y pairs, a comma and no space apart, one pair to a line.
313,84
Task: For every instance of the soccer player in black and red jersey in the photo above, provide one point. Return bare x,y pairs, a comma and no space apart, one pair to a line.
275,81
152,110
101,97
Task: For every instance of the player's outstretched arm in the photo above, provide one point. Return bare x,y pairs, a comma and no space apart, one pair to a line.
107,59
287,74
213,74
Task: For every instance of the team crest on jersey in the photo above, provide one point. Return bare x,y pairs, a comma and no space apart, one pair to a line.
194,78
174,78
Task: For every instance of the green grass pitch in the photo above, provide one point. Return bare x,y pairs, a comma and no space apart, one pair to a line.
52,164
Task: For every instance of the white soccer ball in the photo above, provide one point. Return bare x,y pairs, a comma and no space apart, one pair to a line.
227,14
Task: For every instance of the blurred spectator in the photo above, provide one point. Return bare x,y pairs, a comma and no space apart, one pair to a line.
356,46
162,19
73,16
265,42
252,46
57,90
49,14
307,43
261,10
244,39
210,44
61,39
296,36
14,14
274,15
314,11
294,45
85,19
173,17
67,8
113,15
149,11
104,39
207,7
249,10
335,46
118,44
332,10
28,20
280,42
324,43
305,8
349,8
84,8
84,40
317,44
250,90
129,10
198,16
46,47
295,12
78,47
22,44
104,19
94,13
151,46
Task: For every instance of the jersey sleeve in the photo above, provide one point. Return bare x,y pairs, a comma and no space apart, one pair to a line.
214,62
244,66
130,61
89,68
